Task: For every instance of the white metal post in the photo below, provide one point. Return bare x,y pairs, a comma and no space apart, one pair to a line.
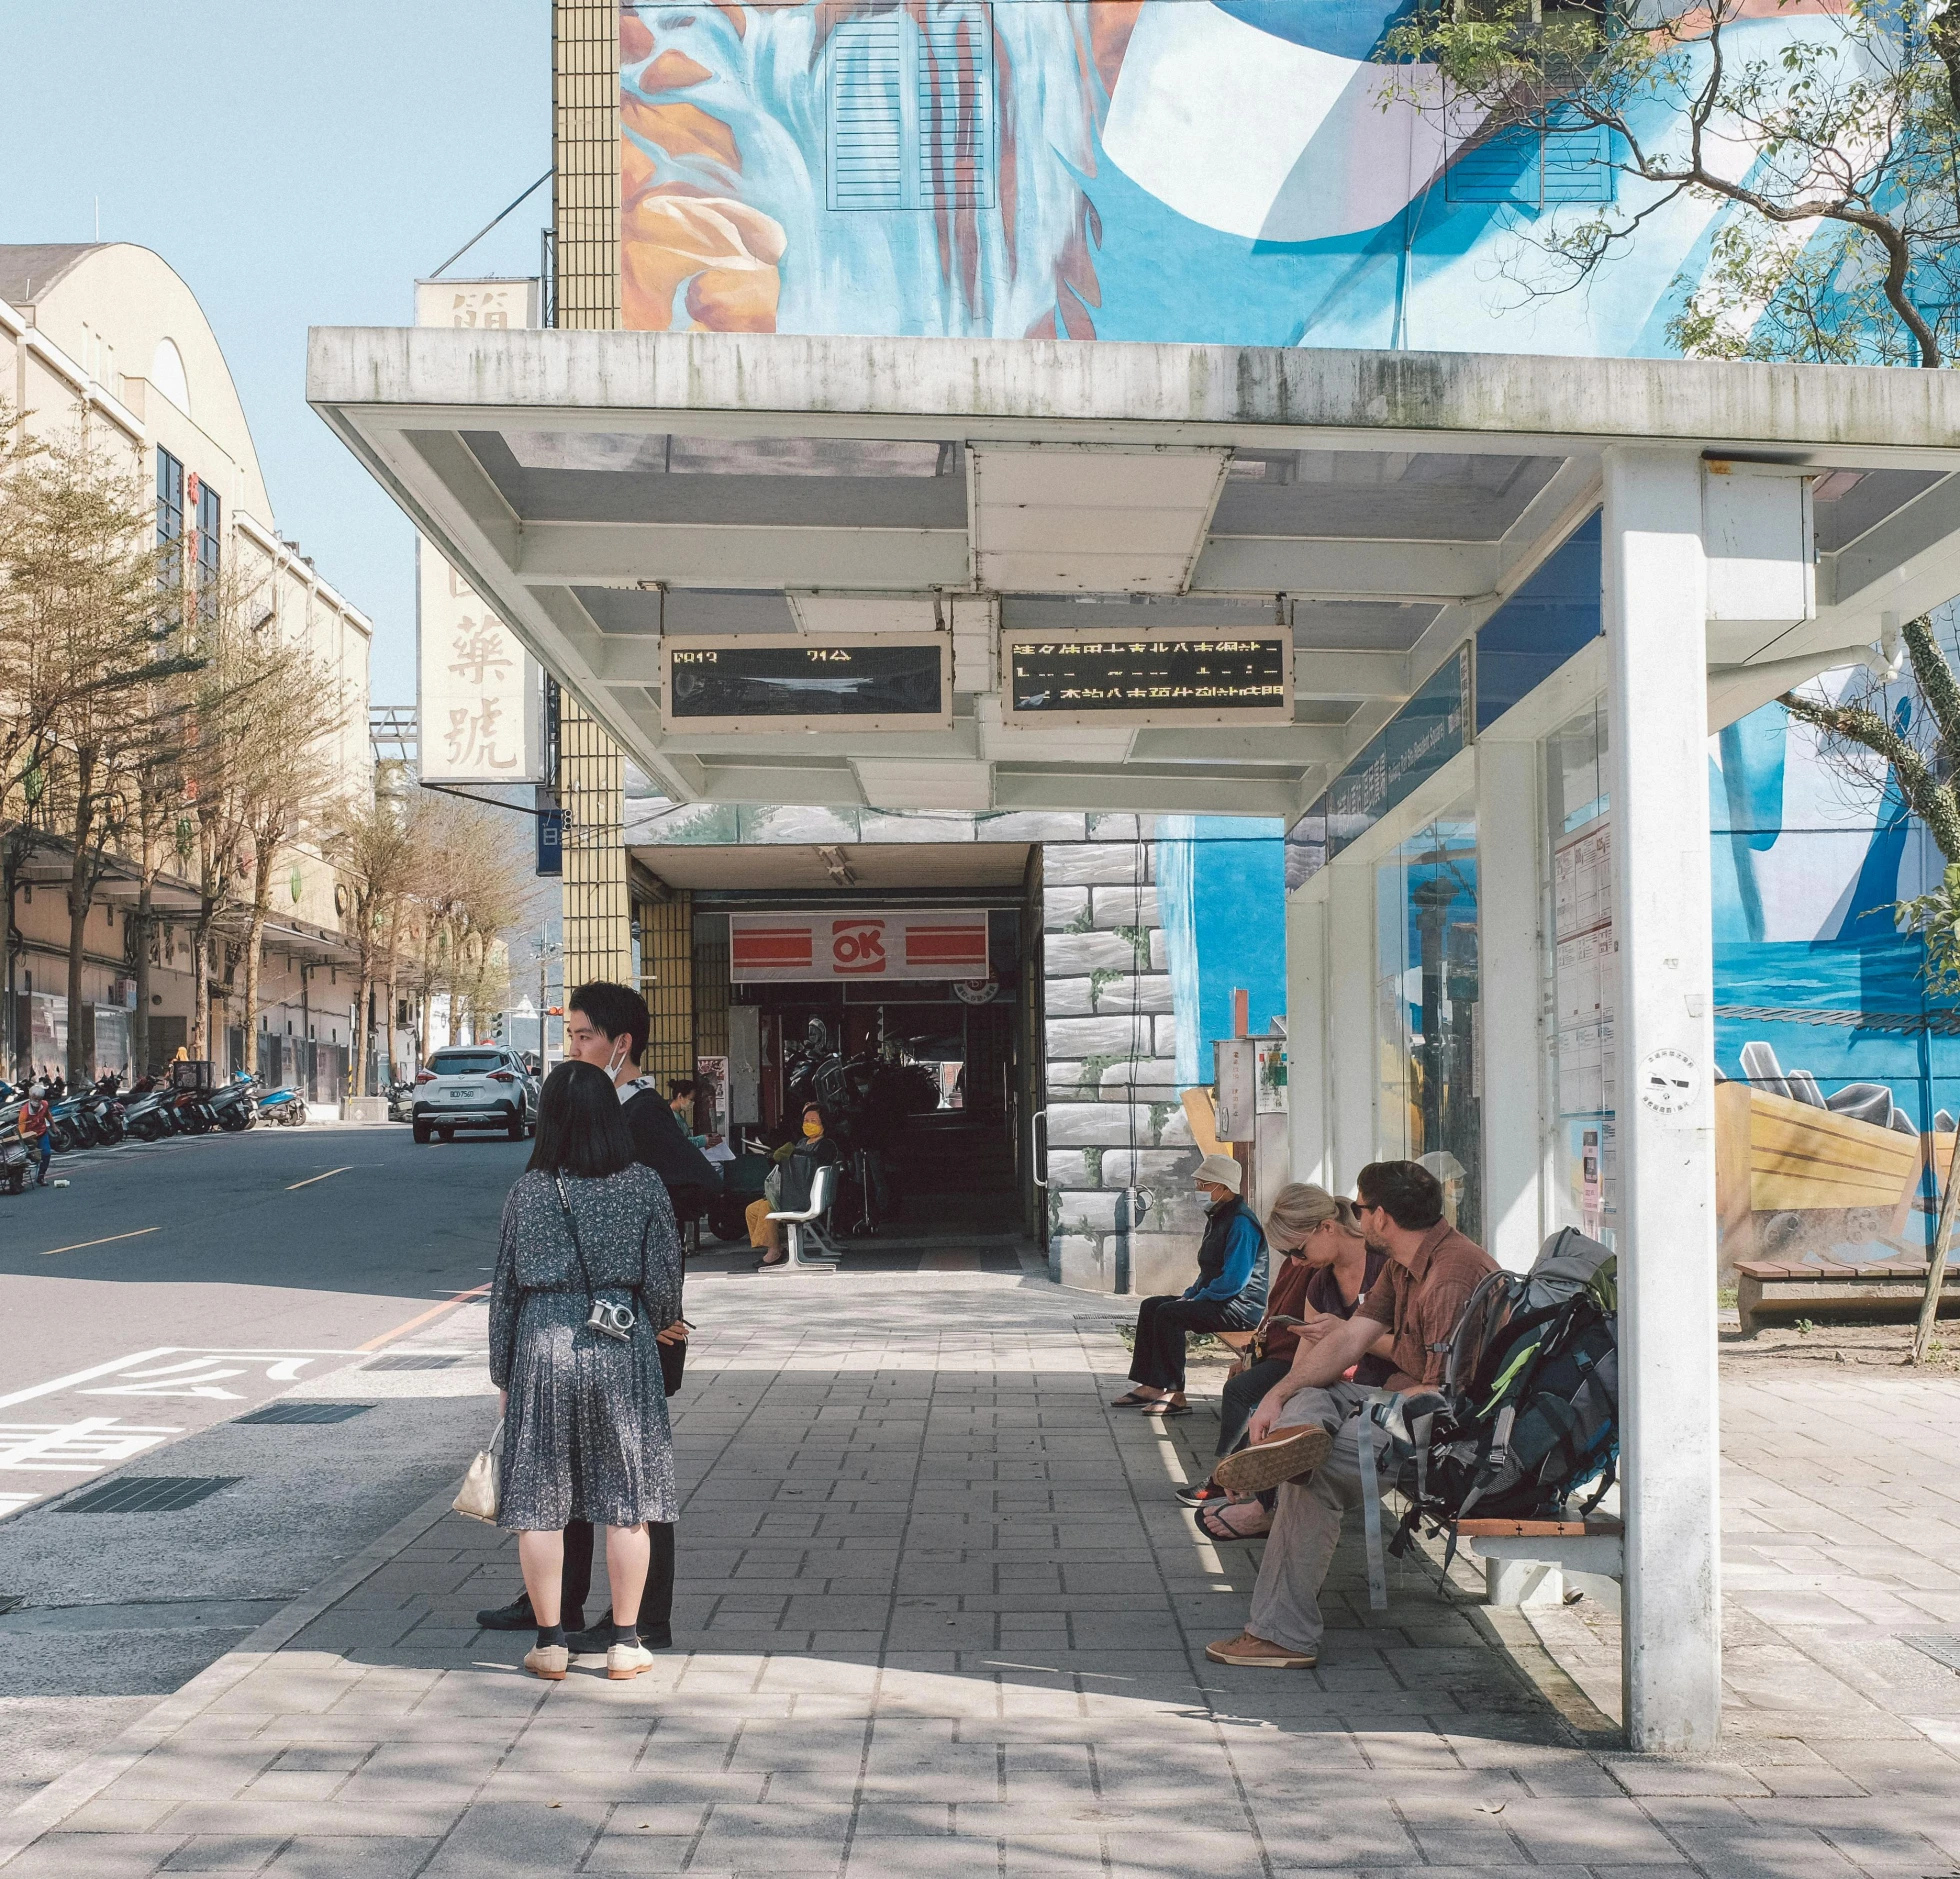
1306,1038
1510,997
1655,594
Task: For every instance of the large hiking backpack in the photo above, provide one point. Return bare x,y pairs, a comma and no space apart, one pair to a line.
1528,1413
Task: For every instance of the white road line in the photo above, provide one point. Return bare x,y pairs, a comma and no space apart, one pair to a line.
86,1376
83,1245
311,1178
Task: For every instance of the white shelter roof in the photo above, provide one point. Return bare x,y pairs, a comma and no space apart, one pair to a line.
613,493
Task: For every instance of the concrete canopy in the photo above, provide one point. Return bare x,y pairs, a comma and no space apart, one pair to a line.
606,491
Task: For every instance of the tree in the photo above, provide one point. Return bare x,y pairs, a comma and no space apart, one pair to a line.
83,626
1830,142
381,846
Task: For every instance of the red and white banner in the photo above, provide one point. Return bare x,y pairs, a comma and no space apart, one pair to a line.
780,946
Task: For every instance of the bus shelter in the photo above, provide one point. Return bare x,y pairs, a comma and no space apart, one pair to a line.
1344,590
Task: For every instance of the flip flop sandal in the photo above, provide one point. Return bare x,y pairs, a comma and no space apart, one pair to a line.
1166,1410
1242,1520
1134,1401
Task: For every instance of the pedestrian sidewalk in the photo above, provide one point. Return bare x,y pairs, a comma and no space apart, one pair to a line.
938,1614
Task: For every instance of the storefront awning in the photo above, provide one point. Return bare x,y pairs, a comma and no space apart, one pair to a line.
752,506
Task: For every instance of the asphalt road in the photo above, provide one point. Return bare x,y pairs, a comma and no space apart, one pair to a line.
170,1289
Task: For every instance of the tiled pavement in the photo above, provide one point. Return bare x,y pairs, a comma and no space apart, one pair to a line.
938,1614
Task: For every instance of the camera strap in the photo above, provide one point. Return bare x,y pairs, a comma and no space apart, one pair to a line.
571,1227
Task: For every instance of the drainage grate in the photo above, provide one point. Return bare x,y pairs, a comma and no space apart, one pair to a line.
1941,1650
412,1360
306,1414
149,1494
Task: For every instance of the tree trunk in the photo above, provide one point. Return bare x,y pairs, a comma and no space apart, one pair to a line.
81,884
144,921
201,981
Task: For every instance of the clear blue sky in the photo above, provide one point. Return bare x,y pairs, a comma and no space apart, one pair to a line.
298,166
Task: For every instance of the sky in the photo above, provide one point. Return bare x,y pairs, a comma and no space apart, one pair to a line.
298,166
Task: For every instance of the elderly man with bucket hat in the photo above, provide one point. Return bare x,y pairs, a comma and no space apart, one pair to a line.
1228,1295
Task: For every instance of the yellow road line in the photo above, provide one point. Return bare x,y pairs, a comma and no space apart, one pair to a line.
434,1311
311,1178
109,1240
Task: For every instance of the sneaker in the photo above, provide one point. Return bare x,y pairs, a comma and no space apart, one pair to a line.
1202,1494
1259,1654
549,1661
1279,1458
516,1616
627,1660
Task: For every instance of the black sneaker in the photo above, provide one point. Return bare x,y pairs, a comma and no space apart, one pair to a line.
596,1640
516,1616
1201,1494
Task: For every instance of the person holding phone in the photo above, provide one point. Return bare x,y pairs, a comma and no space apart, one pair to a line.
606,1025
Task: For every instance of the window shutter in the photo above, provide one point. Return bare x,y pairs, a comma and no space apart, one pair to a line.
911,108
867,114
1534,169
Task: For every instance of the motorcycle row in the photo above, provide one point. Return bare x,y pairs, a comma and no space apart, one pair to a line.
105,1114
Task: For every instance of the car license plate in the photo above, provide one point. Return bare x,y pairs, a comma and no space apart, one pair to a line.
465,1093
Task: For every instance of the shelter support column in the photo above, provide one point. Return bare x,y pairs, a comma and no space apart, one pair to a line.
592,788
1306,1038
1511,999
1350,1006
1655,608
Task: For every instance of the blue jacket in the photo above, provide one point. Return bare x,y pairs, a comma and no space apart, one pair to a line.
1232,1258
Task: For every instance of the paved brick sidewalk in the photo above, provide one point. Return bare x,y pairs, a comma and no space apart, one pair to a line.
939,1614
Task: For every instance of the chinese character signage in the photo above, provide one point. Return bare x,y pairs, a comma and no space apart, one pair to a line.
766,947
1166,676
480,709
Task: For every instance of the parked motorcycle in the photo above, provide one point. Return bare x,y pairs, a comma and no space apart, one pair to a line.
286,1107
15,1163
106,1117
191,1111
235,1107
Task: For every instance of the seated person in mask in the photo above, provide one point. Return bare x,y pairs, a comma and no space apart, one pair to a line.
793,1178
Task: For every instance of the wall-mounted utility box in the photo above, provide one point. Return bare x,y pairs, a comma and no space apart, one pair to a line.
1760,545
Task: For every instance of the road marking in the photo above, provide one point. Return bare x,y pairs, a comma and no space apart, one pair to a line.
109,1240
311,1178
86,1376
422,1318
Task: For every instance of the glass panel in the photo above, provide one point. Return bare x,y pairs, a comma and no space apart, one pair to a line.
1428,992
1584,977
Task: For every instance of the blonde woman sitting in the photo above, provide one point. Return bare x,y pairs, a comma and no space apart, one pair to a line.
1327,1270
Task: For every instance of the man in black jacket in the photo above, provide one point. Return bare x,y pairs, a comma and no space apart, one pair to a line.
607,1025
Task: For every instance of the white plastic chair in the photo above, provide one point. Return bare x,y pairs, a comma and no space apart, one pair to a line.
808,1227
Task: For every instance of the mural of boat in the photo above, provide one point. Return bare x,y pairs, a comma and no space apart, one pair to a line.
1802,1175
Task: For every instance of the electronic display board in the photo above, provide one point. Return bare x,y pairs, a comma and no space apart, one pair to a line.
1165,676
856,682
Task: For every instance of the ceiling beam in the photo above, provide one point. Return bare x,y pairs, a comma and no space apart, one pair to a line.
1330,569
616,554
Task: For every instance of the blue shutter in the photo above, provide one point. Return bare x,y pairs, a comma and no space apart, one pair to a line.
1526,166
912,108
867,113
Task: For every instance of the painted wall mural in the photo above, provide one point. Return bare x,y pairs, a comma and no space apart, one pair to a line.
1842,1075
1202,170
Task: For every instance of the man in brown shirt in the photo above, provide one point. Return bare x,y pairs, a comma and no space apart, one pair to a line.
1432,1270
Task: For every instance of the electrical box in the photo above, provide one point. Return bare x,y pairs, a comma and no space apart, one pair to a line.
1236,1060
1760,545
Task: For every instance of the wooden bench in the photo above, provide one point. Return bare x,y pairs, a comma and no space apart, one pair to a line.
1525,1561
1772,1286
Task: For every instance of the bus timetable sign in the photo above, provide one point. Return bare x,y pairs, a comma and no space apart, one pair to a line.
1162,677
788,682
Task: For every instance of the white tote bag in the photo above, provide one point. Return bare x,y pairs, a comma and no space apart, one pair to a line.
481,1493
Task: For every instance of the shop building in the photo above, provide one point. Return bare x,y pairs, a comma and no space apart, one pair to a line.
108,336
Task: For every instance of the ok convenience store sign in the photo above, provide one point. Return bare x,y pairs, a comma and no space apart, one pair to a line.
775,947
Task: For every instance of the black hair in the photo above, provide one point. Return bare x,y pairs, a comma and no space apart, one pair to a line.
679,1087
616,1010
580,1127
1405,1190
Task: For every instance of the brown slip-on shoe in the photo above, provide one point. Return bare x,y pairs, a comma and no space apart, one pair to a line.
549,1661
1279,1458
1259,1654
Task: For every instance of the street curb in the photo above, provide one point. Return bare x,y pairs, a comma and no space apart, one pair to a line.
43,1812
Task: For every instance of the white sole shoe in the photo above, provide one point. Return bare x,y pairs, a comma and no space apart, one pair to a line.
627,1660
549,1661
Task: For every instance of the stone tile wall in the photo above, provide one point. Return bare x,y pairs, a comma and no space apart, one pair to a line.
1120,1154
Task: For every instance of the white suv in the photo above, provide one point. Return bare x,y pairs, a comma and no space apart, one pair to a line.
474,1086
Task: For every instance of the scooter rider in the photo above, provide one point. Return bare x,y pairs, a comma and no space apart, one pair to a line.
35,1124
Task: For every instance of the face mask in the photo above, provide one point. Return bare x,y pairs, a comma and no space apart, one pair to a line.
812,1127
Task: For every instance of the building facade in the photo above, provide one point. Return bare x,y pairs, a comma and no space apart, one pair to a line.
107,337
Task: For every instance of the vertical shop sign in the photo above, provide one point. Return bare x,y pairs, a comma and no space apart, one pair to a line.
478,691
